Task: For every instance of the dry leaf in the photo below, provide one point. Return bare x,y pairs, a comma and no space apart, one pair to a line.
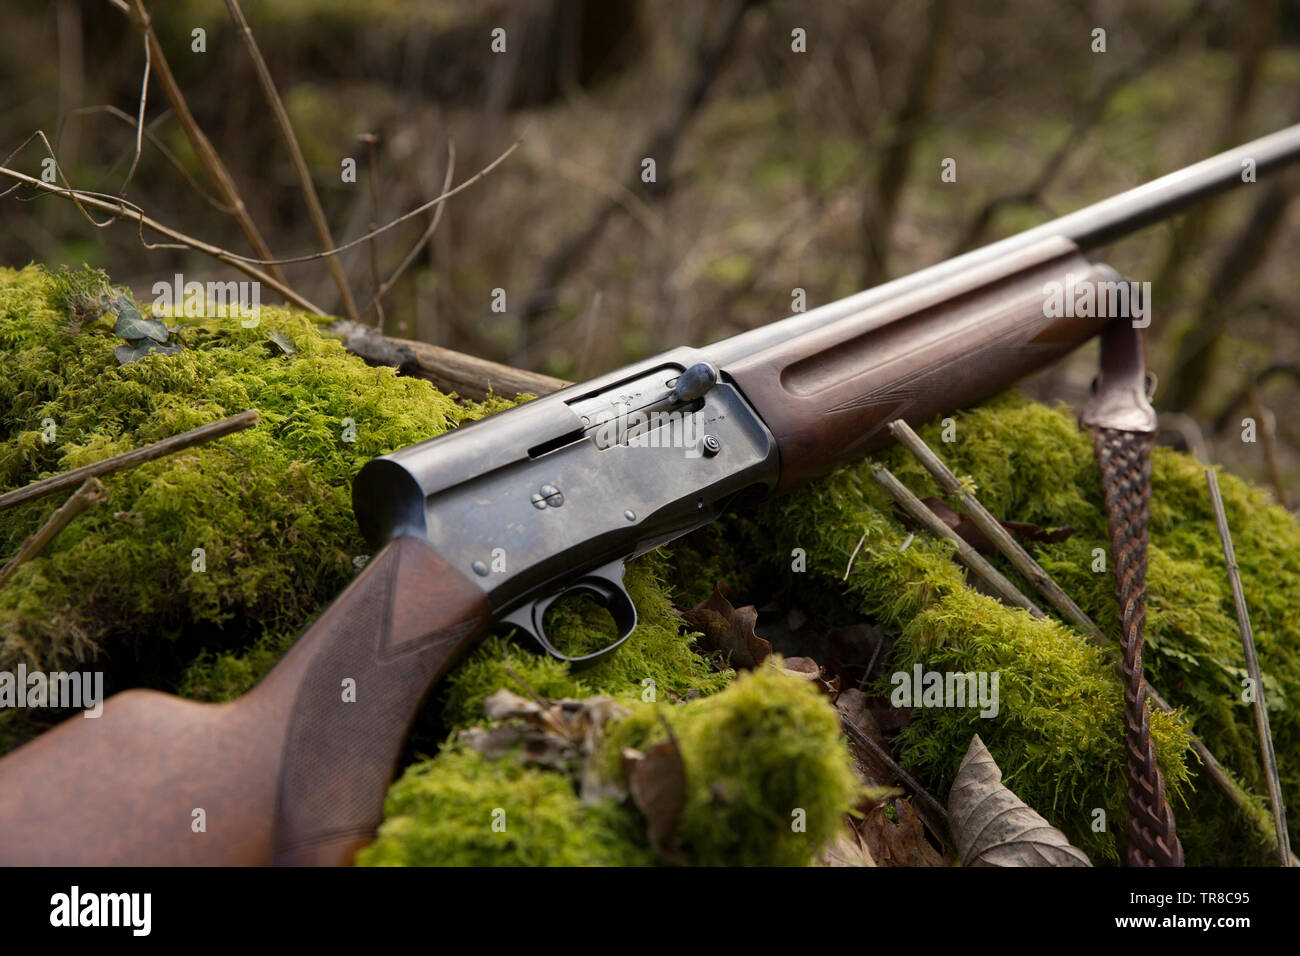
853,709
657,782
554,734
899,842
847,849
991,826
728,629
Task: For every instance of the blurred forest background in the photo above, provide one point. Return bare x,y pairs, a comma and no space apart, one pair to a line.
776,169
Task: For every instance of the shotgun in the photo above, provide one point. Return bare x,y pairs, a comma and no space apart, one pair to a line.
493,522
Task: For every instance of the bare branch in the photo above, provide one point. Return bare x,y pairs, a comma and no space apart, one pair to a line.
314,208
129,459
915,507
139,123
1252,667
425,207
119,208
203,147
171,157
1084,120
423,241
91,493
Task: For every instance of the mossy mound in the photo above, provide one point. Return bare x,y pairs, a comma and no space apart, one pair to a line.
463,809
1057,735
768,782
269,507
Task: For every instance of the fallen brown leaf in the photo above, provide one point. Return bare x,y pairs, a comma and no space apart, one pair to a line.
657,782
899,842
728,630
991,826
847,849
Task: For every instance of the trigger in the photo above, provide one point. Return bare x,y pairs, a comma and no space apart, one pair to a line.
606,586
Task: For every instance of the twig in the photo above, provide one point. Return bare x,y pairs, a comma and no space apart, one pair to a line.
299,162
411,214
1195,353
371,141
425,236
129,459
91,493
925,74
466,375
1278,368
119,208
991,527
1267,432
1050,590
203,147
970,557
139,122
149,134
1252,667
928,803
858,547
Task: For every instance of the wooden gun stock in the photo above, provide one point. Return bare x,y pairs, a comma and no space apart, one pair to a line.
294,772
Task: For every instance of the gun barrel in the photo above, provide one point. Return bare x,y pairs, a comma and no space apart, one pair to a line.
1088,227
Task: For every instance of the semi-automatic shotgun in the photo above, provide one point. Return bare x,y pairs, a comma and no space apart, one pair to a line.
494,521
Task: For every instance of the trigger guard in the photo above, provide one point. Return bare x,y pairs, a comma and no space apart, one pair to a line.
607,588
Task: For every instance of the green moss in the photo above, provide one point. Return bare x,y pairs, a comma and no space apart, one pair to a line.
269,506
1057,736
767,774
461,809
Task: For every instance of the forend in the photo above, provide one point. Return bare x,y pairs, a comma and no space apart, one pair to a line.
554,495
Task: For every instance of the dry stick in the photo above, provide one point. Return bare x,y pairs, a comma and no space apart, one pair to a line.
424,236
991,527
129,459
1252,667
970,557
203,147
371,140
852,557
153,138
708,58
471,376
91,493
139,123
122,209
928,804
1052,591
394,223
1269,434
299,163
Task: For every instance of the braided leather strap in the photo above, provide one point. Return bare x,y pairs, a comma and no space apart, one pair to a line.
1125,461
